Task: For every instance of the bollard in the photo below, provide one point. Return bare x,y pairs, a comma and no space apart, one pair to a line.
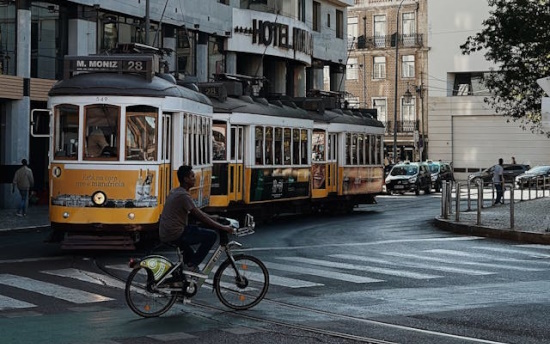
512,209
450,197
457,204
479,202
536,187
443,200
469,196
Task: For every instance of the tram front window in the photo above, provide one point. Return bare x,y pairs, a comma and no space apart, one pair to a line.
102,134
141,134
66,131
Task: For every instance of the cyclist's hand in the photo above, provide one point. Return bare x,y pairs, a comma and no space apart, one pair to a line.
228,229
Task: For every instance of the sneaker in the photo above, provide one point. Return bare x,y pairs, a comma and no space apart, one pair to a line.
19,214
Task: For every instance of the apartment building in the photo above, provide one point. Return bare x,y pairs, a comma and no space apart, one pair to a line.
387,70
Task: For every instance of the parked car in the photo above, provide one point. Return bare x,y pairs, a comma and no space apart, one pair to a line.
511,171
441,172
409,176
538,174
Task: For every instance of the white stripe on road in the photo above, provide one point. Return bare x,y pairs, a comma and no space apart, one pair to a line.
508,250
415,265
383,271
9,303
86,276
476,256
321,273
53,290
460,262
282,281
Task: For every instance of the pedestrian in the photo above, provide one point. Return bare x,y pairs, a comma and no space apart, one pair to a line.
24,181
514,160
498,181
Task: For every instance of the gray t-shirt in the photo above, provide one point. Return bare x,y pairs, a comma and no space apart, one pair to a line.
174,217
497,174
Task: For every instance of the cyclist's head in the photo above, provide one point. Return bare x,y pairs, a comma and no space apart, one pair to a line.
183,172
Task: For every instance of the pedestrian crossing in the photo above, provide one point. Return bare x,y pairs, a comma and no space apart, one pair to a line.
292,272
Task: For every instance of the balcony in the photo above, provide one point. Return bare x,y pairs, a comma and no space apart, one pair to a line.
380,42
402,126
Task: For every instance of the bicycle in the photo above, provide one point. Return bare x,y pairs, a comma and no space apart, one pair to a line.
240,282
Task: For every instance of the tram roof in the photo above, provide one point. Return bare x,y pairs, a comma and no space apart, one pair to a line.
114,84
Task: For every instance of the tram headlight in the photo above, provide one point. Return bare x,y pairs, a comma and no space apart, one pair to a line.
131,216
99,198
56,172
65,215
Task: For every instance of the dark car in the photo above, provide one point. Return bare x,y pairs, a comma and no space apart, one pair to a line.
441,172
511,171
537,175
409,176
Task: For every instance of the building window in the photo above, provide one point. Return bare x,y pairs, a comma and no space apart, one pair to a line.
407,66
316,16
380,104
467,84
409,29
380,31
352,69
301,10
185,52
328,19
352,32
408,115
379,67
216,63
339,24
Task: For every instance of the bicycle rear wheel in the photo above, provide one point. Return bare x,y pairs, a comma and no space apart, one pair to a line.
141,296
245,289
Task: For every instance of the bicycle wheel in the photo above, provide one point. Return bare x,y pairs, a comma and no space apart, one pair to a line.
246,291
142,298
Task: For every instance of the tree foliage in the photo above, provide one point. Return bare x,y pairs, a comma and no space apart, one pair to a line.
516,37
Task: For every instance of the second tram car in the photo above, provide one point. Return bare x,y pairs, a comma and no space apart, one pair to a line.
121,128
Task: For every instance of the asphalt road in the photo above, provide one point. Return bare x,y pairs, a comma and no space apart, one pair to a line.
381,274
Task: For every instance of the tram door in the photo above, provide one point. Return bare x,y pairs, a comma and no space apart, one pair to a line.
165,179
236,164
332,163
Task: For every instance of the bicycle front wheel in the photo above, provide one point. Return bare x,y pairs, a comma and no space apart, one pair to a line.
241,285
143,298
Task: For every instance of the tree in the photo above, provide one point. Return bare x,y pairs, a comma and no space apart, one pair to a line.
516,37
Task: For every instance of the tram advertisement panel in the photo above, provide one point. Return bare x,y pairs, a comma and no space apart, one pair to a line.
279,183
362,180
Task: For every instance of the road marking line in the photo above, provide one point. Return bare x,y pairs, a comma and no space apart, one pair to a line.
86,276
460,262
321,273
26,260
477,256
9,303
522,252
50,289
392,272
282,281
415,265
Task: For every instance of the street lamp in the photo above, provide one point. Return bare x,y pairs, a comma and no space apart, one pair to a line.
395,93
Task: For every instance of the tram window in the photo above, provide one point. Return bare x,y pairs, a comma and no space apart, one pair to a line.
269,146
141,134
348,149
304,147
233,143
369,148
318,147
287,141
354,149
278,146
167,139
66,131
296,146
102,134
361,150
259,145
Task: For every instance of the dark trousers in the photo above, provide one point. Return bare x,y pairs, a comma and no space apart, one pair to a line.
23,205
195,235
498,187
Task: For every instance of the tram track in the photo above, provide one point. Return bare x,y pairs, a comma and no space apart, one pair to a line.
336,316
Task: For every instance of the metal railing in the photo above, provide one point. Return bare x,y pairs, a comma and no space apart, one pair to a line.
537,184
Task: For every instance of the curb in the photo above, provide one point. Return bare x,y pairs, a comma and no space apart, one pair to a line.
491,232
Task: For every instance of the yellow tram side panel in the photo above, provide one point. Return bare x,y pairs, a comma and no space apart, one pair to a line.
322,179
357,180
71,196
203,182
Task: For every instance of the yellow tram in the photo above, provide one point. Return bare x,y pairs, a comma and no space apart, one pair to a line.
121,128
120,131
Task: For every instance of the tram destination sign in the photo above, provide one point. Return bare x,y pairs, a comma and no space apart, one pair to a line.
146,65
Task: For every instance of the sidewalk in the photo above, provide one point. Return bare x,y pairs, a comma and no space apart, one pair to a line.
531,221
37,216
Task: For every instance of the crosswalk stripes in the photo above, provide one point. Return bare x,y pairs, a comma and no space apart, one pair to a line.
300,272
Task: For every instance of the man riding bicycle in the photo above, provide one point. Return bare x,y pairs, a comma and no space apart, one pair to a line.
174,222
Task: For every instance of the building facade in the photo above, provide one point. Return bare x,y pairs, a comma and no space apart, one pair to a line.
463,128
387,70
291,45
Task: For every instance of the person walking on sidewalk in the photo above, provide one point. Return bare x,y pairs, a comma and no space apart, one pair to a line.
498,181
24,181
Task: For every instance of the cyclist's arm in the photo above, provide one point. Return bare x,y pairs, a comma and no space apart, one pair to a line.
208,222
